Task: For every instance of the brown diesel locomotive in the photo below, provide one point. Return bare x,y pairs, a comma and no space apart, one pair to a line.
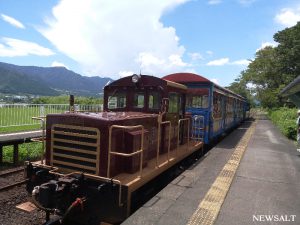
96,162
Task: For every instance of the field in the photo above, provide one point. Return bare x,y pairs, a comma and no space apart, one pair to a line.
15,118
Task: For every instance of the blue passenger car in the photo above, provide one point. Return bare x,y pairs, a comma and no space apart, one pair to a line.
221,108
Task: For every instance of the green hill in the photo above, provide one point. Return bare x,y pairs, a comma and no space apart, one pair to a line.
47,81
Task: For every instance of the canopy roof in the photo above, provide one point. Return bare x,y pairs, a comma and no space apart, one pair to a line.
292,90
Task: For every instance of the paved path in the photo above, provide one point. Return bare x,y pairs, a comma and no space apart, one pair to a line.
266,184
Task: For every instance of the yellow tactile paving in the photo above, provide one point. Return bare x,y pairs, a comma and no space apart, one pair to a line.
209,207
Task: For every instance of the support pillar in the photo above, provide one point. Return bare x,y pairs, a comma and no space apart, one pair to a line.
16,154
1,155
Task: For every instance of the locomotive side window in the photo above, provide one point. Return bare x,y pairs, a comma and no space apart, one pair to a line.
117,100
173,103
138,100
154,100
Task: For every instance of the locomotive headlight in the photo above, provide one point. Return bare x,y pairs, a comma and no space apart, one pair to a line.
135,78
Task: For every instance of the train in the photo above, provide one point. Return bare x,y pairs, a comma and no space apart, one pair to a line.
97,164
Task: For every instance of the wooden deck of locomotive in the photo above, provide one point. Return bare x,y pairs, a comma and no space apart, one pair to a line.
134,181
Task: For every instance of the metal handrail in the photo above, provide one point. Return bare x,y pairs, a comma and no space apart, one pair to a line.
43,120
198,137
188,135
158,141
140,151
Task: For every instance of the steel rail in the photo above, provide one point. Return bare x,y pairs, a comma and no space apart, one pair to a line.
12,185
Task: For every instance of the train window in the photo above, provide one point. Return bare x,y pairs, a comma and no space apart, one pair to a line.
154,100
173,103
198,98
217,113
198,101
138,100
117,100
229,105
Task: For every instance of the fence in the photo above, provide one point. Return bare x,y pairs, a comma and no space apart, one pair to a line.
21,114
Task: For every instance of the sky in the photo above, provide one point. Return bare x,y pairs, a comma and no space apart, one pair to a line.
115,38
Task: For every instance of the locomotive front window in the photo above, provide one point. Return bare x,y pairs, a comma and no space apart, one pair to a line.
139,100
117,100
154,100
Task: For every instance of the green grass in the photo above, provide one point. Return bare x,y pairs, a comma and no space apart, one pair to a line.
285,119
20,118
19,128
28,151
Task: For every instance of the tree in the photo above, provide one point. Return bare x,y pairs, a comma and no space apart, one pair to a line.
239,86
264,77
273,68
288,51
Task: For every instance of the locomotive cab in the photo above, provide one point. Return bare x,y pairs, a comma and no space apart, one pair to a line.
95,163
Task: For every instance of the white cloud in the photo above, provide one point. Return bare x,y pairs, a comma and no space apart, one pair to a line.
147,59
195,56
218,62
14,47
12,21
58,64
288,17
106,38
215,80
209,52
175,60
246,2
214,2
244,62
125,73
226,61
265,44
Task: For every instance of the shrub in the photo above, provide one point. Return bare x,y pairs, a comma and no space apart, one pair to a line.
285,119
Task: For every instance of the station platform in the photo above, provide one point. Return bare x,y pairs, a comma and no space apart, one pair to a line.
251,177
15,139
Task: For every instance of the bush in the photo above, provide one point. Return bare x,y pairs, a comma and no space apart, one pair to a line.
27,151
285,119
64,99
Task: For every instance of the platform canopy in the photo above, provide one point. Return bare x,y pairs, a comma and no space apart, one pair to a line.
292,91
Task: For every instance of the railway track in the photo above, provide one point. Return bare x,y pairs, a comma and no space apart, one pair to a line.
11,178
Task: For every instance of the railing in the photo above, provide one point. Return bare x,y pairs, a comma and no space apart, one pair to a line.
137,152
198,127
183,122
21,114
168,123
43,138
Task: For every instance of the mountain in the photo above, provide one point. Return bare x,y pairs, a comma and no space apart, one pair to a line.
47,81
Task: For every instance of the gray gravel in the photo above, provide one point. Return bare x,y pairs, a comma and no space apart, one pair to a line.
9,214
